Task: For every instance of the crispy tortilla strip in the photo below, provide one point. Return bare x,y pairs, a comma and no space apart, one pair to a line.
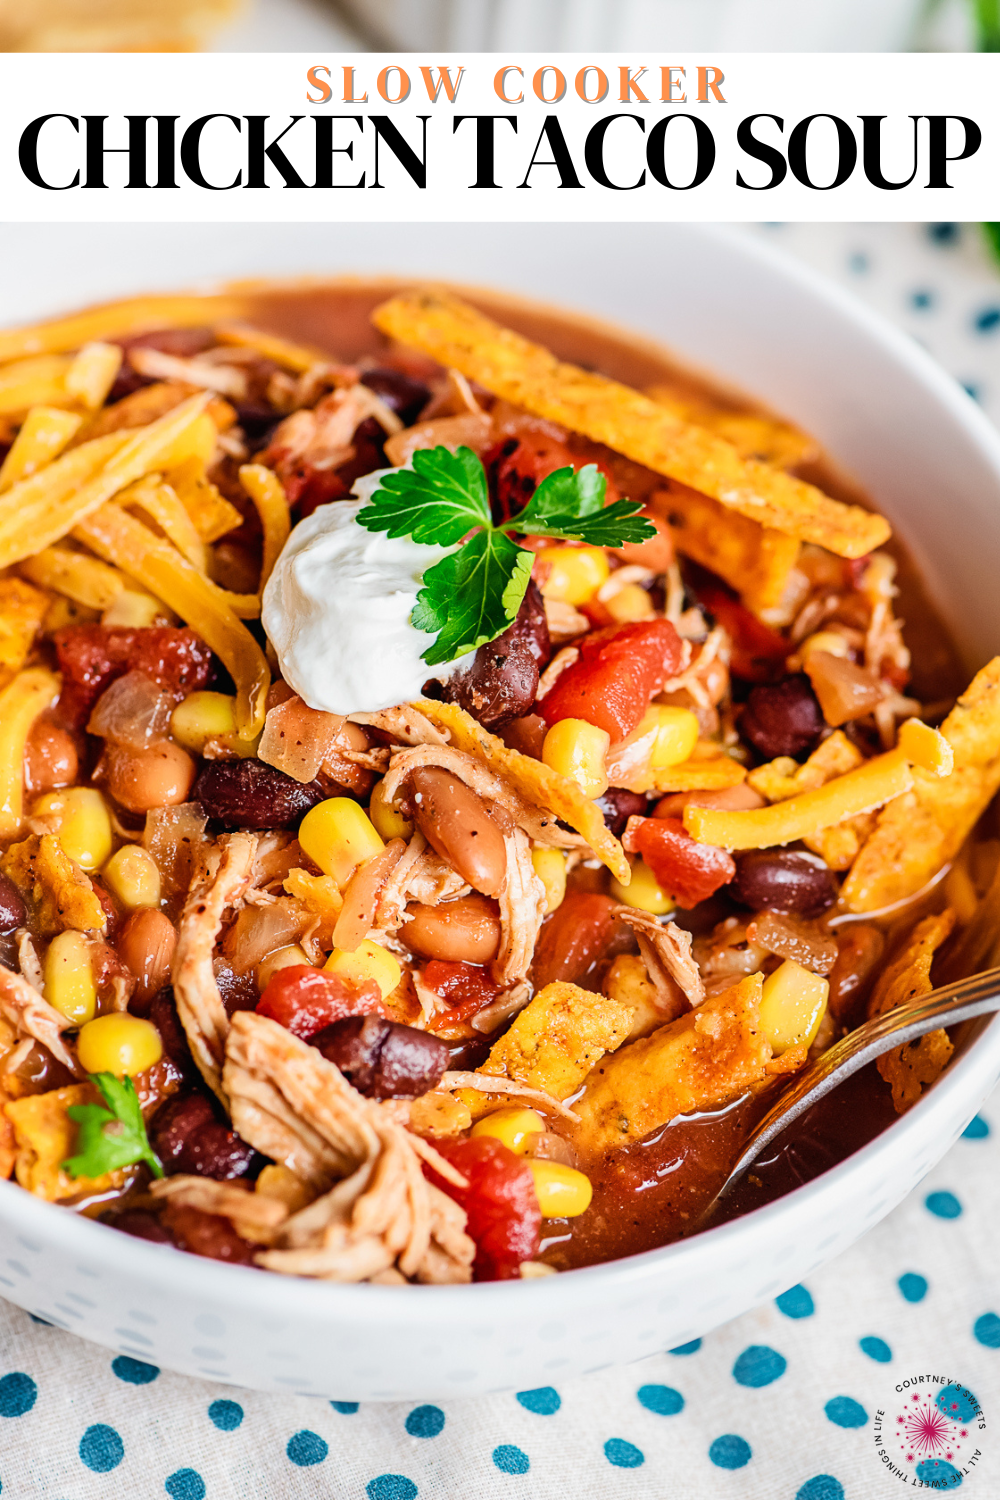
297,357
114,319
752,434
59,892
46,1136
921,832
22,610
709,769
21,702
44,434
698,1062
529,376
35,382
77,575
911,1069
533,780
212,515
783,778
755,560
149,403
8,1140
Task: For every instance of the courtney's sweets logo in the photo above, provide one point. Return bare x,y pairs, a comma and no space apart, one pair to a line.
929,1432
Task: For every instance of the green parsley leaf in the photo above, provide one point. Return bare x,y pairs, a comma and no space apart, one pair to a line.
569,505
110,1138
471,596
438,501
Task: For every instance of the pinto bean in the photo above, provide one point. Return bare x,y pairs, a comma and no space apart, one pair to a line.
50,758
466,930
383,1059
249,794
13,913
501,683
791,880
146,946
782,718
158,777
456,823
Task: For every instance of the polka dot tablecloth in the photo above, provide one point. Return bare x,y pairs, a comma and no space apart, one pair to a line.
794,1401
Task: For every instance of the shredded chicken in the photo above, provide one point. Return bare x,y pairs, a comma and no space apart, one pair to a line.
522,907
493,1083
536,821
565,624
224,379
226,875
321,436
29,962
420,875
254,1216
32,1016
405,723
691,677
666,952
292,1104
560,663
726,955
507,1004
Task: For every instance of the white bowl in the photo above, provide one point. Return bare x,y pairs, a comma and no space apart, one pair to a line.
931,461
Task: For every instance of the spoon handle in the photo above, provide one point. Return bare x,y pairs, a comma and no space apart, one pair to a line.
976,996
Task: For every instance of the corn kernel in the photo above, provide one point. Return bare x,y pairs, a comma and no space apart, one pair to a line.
121,1044
792,1006
630,602
676,734
513,1126
577,749
338,835
202,717
575,573
563,1192
369,960
84,824
131,874
282,958
643,891
550,867
830,641
133,610
276,1181
69,977
388,821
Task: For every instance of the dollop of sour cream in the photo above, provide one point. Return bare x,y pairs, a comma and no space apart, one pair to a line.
337,611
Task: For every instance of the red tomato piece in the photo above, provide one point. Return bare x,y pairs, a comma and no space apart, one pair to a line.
758,651
618,671
517,466
502,1206
304,1000
466,987
688,871
90,657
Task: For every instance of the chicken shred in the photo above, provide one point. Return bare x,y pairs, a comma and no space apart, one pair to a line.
522,907
254,1216
32,1016
666,952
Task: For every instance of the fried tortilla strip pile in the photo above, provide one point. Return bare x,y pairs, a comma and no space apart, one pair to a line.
911,1069
921,831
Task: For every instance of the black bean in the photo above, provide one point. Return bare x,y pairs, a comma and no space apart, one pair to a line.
791,880
401,393
162,1011
617,806
501,683
249,794
143,1224
782,718
383,1059
187,1137
13,913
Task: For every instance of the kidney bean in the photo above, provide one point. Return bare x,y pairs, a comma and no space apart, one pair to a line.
526,736
618,805
162,1011
782,718
790,880
401,393
457,824
466,930
238,991
249,794
146,946
13,913
187,1137
207,1234
502,680
383,1059
579,939
143,1224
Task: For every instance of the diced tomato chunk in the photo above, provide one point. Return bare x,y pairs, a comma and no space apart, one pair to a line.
618,671
500,1200
467,988
90,657
688,871
517,466
305,1000
758,653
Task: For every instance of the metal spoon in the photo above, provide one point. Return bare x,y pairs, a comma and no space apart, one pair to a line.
944,1007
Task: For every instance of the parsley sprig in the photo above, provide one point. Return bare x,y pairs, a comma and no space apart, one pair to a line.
473,594
113,1137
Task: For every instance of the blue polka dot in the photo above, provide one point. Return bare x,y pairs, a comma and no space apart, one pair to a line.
943,234
844,1411
185,1484
134,1371
986,1329
922,299
971,389
101,1449
977,1129
662,1399
42,1322
346,1408
306,1448
957,1403
425,1421
730,1452
858,262
691,1348
987,320
623,1455
821,1487
876,1349
795,1303
18,1394
226,1415
391,1487
939,1473
511,1460
544,1402
912,1286
759,1365
943,1205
